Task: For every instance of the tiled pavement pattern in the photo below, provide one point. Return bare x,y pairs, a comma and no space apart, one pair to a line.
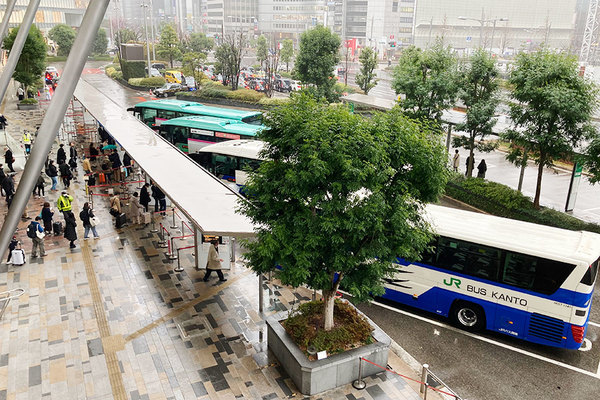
111,320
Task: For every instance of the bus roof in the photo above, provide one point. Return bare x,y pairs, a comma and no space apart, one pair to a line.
236,148
215,124
198,108
574,247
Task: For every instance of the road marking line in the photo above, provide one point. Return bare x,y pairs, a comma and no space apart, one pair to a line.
491,341
593,323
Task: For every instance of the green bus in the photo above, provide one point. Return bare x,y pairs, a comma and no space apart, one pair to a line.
155,112
190,134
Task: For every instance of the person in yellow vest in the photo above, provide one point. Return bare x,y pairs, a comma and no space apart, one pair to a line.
64,202
27,141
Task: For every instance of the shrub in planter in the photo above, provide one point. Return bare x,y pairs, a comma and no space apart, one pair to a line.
28,101
306,328
247,95
213,92
273,101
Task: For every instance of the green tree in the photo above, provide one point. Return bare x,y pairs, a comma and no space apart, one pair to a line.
100,43
126,35
341,196
229,58
200,43
316,60
192,66
287,53
262,51
366,79
427,80
168,44
32,61
552,108
64,37
478,87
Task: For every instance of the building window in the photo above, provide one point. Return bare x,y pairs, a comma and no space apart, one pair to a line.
395,6
406,20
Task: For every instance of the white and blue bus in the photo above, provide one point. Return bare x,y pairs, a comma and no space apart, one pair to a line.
529,281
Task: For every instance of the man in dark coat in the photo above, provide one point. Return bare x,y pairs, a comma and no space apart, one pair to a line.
2,177
65,173
61,155
145,196
9,159
52,174
116,165
72,151
9,188
70,224
127,162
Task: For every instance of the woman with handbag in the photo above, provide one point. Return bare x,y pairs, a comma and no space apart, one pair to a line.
89,221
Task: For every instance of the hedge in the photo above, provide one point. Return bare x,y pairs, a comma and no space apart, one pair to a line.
133,69
503,201
155,81
247,95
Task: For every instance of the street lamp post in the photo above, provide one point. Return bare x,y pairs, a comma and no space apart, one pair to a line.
482,21
152,30
144,6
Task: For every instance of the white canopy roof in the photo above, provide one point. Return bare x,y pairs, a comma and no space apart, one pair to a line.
208,203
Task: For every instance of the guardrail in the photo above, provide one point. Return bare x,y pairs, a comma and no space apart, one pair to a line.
426,375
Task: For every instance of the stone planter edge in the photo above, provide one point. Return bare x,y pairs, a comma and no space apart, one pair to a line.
312,377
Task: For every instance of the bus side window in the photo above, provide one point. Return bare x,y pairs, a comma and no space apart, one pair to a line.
166,114
451,255
484,262
148,115
224,166
429,255
519,270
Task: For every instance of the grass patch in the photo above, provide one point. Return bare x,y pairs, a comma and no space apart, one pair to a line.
350,330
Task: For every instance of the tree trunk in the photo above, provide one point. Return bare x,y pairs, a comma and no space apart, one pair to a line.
538,185
522,174
328,302
471,163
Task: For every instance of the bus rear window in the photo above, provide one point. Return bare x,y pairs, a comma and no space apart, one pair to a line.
590,275
254,120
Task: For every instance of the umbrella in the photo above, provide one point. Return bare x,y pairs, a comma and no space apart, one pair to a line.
109,147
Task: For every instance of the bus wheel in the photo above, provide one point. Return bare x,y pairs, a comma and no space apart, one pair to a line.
468,316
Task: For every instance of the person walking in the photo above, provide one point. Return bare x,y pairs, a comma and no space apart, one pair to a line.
214,262
20,93
470,160
60,154
47,215
135,209
481,169
86,215
52,174
65,174
3,122
39,186
8,158
456,160
27,141
70,225
9,188
47,94
145,196
35,231
2,178
72,151
64,202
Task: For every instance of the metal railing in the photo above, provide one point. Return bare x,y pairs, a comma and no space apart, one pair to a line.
7,296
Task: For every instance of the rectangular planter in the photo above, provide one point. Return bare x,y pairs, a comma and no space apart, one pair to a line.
27,106
312,377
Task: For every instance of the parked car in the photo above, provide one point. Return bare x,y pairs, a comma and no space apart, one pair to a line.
257,84
296,85
283,85
159,66
173,76
153,72
51,75
190,83
168,89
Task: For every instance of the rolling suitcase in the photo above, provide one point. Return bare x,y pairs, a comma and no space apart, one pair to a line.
146,218
120,220
57,228
17,257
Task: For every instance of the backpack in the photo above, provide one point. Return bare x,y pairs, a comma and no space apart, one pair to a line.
31,230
